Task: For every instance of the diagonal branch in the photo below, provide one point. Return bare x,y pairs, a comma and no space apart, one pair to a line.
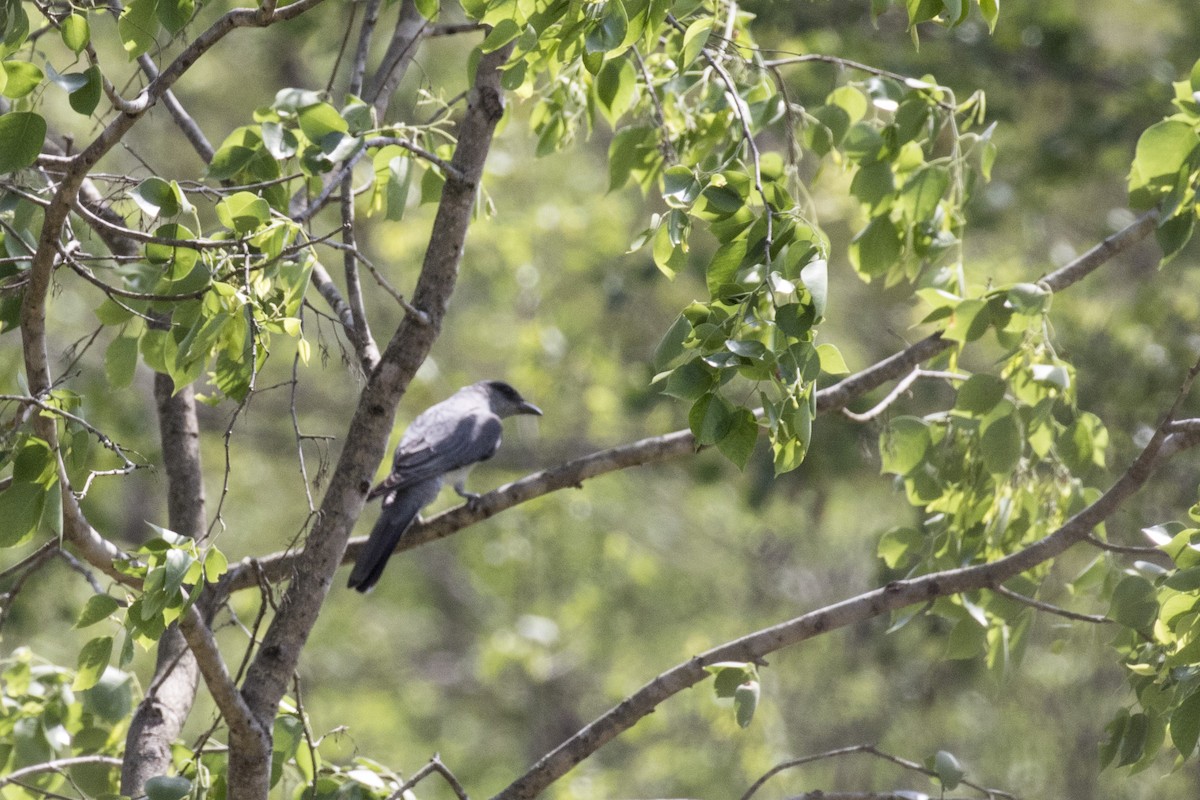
271,671
680,443
892,597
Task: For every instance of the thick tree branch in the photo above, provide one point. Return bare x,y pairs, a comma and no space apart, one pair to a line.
271,670
411,27
159,718
679,443
893,597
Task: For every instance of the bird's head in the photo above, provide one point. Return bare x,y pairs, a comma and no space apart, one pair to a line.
507,401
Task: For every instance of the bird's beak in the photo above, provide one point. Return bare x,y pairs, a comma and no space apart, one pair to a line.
527,407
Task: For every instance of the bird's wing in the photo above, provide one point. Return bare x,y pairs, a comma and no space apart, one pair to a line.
441,440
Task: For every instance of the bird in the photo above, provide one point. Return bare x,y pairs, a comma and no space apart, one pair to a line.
442,444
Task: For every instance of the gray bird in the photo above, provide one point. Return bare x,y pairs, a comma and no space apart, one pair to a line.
441,444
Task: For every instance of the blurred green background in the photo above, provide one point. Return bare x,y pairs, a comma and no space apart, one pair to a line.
492,646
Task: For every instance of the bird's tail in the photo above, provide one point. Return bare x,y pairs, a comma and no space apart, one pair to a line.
399,511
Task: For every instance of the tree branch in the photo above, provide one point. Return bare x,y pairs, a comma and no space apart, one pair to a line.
56,765
857,750
673,445
892,597
159,718
273,665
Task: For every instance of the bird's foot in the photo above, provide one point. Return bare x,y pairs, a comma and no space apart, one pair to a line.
472,500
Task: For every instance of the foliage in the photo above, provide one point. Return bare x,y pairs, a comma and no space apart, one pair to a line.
202,279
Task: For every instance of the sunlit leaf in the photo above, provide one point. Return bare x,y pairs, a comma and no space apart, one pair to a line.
22,134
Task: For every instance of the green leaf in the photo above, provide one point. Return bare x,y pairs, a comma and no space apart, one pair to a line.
615,89
98,607
174,14
710,419
21,78
690,381
609,31
738,444
1028,298
504,32
428,9
850,100
832,362
168,787
20,510
968,321
745,702
874,185
1185,725
1134,603
235,152
22,134
921,194
111,699
949,771
815,276
1002,443
896,545
694,39
120,361
85,99
157,198
1133,742
93,659
724,265
137,27
979,394
1164,148
178,562
670,348
215,565
319,120
728,675
75,31
903,444
244,211
876,248
1174,233
179,260
631,149
990,9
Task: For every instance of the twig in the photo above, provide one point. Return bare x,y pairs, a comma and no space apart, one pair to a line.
892,597
435,765
901,387
453,29
183,120
1052,609
383,282
138,236
56,765
743,118
24,570
660,120
672,445
857,749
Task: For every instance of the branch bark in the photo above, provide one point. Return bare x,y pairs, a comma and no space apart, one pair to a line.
270,672
678,443
892,597
159,718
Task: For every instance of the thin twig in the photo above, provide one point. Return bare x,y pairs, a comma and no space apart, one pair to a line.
857,749
57,765
901,387
435,765
1047,607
